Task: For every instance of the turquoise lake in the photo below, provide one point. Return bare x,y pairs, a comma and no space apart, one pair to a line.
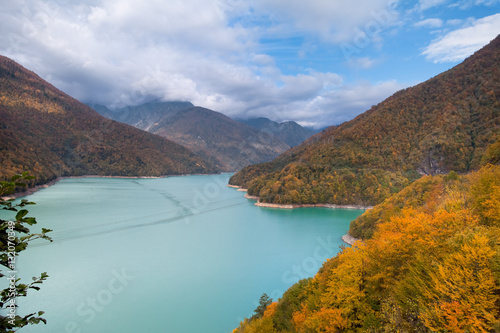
180,254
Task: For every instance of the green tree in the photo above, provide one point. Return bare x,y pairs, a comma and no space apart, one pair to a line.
14,238
264,302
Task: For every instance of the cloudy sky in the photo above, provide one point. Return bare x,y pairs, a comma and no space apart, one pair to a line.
318,62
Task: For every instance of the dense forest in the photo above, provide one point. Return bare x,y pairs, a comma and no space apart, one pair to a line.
50,134
444,124
430,266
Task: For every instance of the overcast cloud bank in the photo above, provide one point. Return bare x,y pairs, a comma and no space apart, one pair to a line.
210,53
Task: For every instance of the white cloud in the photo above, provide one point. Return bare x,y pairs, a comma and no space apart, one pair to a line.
362,63
427,4
116,52
429,23
462,4
459,44
454,22
123,45
466,4
332,106
334,21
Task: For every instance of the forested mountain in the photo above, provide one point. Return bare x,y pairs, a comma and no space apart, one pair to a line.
226,143
444,124
430,267
289,132
50,134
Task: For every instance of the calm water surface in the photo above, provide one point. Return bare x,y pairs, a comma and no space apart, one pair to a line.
172,255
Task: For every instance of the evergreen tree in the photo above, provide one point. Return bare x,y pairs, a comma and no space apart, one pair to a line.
264,302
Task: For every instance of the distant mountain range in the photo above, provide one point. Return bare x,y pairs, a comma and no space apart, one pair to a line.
289,132
143,116
228,144
50,134
446,123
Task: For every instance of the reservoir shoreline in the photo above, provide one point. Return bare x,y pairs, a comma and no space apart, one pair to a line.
293,206
36,188
212,226
348,239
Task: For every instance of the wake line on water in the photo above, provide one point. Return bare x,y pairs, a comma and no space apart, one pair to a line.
93,232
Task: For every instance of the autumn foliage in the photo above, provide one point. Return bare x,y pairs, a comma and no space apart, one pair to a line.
432,265
50,134
450,122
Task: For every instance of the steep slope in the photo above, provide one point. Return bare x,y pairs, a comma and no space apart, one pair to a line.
143,116
50,134
431,267
228,144
443,124
289,131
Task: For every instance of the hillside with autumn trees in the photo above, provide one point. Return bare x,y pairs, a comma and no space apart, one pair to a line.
444,124
50,134
431,266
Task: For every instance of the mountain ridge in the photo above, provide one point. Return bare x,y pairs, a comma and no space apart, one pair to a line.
50,134
443,124
143,116
289,131
226,143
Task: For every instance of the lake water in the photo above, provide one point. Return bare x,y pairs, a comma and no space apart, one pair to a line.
176,255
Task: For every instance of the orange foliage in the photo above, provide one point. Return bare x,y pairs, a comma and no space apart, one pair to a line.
449,122
433,263
485,194
462,292
325,320
49,134
299,317
270,310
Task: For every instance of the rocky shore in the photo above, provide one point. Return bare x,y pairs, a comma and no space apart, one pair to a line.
349,239
292,206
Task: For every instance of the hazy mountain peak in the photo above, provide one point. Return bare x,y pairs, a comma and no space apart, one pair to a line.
289,131
225,142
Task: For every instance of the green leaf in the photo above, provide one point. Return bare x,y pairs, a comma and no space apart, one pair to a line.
30,220
26,175
22,213
15,177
